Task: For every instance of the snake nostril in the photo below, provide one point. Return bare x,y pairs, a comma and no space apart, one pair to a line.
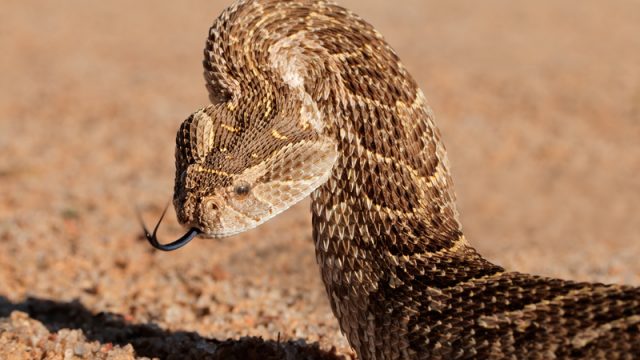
212,206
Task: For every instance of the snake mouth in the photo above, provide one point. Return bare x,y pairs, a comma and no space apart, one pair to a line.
174,245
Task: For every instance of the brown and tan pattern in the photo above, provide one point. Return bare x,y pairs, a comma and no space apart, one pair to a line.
307,98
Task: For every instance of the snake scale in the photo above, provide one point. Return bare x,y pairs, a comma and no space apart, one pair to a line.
308,99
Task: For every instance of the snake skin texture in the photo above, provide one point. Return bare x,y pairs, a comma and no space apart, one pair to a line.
309,99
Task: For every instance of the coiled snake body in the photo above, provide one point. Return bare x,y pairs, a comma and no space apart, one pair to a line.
307,98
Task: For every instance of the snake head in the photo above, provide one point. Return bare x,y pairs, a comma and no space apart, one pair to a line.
232,176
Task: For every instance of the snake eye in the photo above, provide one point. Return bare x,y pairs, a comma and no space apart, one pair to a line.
242,189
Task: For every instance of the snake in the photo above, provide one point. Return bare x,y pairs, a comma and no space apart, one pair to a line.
308,99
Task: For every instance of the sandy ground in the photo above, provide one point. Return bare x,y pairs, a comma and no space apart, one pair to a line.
538,102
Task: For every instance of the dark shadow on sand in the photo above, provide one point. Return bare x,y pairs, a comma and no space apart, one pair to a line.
151,341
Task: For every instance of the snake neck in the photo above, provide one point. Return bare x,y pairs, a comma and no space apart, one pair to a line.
387,198
386,220
390,198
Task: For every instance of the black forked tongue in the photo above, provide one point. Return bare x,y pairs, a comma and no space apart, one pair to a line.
175,245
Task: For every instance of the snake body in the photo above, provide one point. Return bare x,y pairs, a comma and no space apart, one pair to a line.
309,99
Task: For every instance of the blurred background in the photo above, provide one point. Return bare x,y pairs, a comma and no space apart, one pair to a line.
538,103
